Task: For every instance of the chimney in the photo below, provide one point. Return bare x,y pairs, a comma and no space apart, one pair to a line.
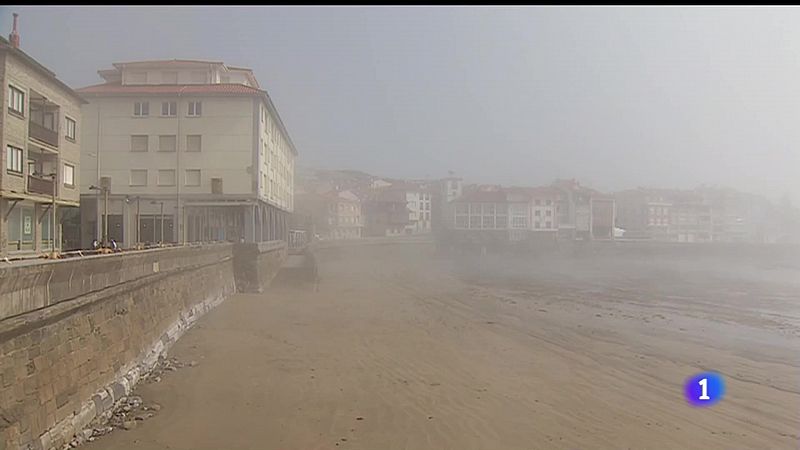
14,36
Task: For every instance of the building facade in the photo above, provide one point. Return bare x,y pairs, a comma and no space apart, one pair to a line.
185,151
492,214
386,214
574,209
418,201
41,153
443,193
334,215
664,215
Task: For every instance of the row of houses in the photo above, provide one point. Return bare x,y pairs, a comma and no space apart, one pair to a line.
703,214
367,207
564,210
352,204
159,151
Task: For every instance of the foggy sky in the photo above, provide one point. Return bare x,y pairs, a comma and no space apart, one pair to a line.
616,97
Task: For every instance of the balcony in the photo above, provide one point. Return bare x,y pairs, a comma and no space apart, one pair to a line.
43,124
42,133
40,185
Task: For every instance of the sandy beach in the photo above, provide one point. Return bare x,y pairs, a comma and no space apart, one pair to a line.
404,349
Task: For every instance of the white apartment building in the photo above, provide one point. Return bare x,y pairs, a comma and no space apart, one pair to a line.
419,203
199,140
41,153
514,214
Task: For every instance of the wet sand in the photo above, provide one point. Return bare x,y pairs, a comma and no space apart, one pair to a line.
402,349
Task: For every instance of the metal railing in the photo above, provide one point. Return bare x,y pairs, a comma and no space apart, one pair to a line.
298,239
42,133
39,185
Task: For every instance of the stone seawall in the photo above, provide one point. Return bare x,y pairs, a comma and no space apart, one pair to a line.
256,264
76,335
30,285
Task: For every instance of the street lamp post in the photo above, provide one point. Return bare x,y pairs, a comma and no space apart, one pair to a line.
161,241
138,223
54,176
136,218
105,209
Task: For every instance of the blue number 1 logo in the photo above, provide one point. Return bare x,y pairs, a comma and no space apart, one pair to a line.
704,389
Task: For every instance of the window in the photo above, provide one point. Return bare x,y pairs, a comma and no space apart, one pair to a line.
169,77
136,78
549,202
198,77
195,109
475,222
166,177
139,143
166,143
548,213
141,109
519,222
138,177
169,109
192,177
71,129
549,224
538,213
13,159
16,100
488,222
538,202
193,143
69,175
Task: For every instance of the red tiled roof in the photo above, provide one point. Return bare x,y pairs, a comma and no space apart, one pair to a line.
170,89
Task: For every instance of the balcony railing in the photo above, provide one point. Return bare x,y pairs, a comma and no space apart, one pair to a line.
42,133
298,239
39,185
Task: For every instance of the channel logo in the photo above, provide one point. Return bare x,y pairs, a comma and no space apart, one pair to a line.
704,389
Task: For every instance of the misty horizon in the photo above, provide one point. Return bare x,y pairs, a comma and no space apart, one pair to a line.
614,97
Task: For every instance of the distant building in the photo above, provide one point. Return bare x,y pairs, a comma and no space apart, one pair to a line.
493,214
335,215
690,219
386,214
40,131
664,215
583,212
644,213
574,210
603,216
443,192
419,203
741,217
199,140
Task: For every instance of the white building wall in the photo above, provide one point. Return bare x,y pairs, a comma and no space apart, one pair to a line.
225,127
276,167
